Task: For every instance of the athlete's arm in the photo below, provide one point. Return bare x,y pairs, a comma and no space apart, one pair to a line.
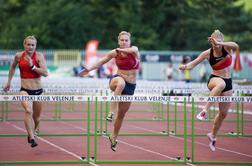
231,45
204,55
42,69
111,54
227,45
11,72
131,50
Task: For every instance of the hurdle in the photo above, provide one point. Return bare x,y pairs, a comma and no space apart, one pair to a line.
160,112
101,89
185,158
163,99
193,135
53,98
96,160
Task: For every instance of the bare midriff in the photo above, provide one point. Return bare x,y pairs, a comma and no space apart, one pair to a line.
31,84
225,73
128,75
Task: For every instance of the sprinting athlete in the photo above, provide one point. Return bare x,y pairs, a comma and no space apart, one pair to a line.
220,81
32,66
127,59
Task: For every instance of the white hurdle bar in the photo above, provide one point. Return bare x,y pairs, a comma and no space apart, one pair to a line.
163,99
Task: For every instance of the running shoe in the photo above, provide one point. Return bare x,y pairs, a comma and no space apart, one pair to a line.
202,115
113,143
212,141
33,143
110,116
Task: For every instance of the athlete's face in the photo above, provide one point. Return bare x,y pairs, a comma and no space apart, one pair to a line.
30,46
124,41
217,38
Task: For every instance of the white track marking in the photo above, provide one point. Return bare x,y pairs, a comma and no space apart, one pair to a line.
52,144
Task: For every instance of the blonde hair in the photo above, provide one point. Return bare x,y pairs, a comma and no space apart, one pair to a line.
124,33
219,34
30,37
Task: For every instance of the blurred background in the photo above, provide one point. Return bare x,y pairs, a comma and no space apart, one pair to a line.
167,33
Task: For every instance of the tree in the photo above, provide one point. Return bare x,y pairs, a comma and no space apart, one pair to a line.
156,24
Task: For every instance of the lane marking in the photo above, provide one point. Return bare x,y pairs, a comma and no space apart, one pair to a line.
200,143
132,145
202,106
52,144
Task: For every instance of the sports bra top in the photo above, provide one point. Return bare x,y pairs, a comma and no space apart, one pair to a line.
25,70
220,62
128,62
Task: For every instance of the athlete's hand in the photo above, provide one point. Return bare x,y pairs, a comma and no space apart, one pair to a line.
182,67
28,58
84,71
213,41
6,87
120,52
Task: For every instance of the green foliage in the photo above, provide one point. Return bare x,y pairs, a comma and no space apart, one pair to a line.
247,4
154,24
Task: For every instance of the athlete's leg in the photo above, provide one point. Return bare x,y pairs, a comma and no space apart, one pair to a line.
37,109
216,86
28,120
117,85
223,110
123,108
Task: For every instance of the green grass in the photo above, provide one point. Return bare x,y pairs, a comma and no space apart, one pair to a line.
248,4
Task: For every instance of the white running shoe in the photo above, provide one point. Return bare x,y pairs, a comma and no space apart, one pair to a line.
113,143
212,141
202,115
110,116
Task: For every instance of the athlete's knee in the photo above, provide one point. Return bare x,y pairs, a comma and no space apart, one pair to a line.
29,111
36,119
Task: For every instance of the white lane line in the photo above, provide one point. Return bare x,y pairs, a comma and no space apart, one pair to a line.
249,112
132,145
138,147
226,150
52,144
150,151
